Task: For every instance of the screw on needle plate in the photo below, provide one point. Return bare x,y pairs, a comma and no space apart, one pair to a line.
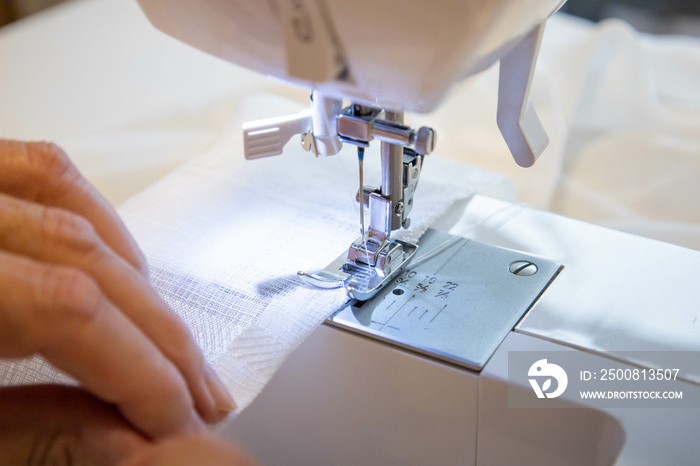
523,268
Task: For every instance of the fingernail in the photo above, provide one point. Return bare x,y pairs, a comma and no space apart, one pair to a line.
222,397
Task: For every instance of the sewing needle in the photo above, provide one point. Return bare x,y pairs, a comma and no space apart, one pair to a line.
361,194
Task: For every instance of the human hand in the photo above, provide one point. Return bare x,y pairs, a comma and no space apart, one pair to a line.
186,450
58,424
75,289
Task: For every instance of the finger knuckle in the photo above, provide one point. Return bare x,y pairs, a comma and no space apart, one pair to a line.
67,229
67,293
49,160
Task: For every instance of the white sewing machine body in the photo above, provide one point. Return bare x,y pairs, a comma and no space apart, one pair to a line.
344,398
394,54
356,51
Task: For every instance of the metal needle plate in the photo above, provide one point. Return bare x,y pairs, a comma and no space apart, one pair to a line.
456,306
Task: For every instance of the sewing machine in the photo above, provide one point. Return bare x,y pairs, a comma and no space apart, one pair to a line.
387,387
360,58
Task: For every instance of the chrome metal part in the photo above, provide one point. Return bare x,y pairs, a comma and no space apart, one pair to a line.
362,281
456,306
355,124
321,280
523,268
358,124
389,208
425,140
412,165
390,205
369,251
308,142
392,172
392,131
366,192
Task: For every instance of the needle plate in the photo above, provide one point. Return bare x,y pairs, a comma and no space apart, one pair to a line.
456,306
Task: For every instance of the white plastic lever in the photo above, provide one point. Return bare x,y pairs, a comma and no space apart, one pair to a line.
516,117
265,138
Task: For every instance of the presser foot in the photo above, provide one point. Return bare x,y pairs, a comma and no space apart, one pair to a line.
363,281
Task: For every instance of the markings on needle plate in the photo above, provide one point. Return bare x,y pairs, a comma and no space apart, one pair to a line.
438,312
397,311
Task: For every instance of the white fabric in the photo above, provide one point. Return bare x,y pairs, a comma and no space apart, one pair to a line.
225,237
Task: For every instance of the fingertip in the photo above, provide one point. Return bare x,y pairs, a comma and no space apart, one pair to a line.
212,399
223,400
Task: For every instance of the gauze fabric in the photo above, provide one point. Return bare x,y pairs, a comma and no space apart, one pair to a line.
224,239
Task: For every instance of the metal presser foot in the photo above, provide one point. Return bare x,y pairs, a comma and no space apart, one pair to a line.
374,259
363,281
